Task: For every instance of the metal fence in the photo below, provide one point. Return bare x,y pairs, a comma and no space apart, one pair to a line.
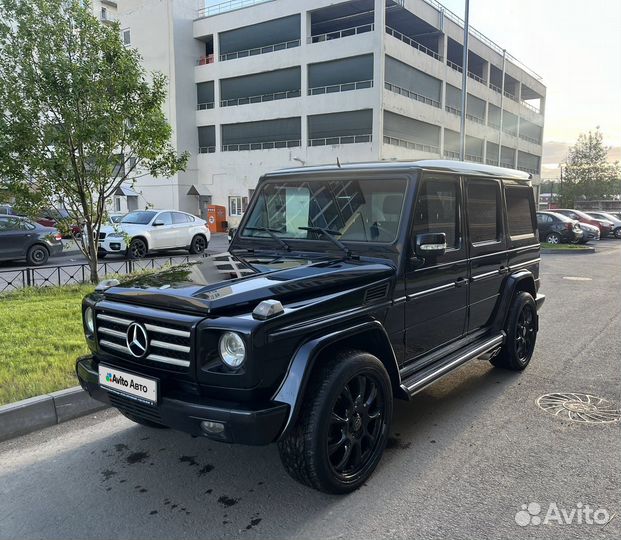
75,274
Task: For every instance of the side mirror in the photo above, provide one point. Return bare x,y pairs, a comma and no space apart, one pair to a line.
430,245
158,223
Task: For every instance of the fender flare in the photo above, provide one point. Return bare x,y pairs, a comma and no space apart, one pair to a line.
520,280
293,386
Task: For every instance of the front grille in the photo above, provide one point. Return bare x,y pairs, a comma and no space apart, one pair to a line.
135,408
169,344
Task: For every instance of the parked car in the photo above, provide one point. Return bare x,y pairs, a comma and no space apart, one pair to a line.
616,221
344,287
54,217
7,210
22,239
604,226
144,231
557,228
590,232
115,218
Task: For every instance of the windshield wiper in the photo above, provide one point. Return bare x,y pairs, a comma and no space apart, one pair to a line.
271,232
330,235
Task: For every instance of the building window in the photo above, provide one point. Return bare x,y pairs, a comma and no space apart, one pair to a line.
237,205
117,204
127,38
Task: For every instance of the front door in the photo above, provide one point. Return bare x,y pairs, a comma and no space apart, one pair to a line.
437,288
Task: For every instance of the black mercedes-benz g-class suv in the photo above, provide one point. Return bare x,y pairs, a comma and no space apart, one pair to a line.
344,287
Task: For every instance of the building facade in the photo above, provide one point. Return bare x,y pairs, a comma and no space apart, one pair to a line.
279,83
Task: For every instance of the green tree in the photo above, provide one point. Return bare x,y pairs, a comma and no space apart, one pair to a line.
78,113
588,174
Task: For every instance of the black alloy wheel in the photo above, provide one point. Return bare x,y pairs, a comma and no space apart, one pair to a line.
137,249
355,426
525,333
521,334
343,423
199,245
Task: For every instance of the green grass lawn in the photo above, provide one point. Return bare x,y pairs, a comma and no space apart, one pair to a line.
544,245
40,338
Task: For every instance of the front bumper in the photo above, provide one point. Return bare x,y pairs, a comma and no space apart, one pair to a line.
112,245
253,424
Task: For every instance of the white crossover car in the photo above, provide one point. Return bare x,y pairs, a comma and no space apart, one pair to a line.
141,232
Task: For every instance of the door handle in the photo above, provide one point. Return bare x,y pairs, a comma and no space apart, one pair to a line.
460,282
503,269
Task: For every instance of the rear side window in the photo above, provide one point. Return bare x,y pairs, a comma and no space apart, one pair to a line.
178,217
484,220
520,210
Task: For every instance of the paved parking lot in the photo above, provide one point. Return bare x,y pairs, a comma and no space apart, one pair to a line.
463,458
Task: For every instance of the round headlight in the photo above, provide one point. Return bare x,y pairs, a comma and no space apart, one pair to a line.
89,320
232,349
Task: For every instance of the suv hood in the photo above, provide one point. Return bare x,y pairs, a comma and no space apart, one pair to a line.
229,283
128,228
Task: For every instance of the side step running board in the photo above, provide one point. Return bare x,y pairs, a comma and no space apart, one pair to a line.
419,380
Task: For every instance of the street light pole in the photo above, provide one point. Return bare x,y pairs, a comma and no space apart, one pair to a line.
464,86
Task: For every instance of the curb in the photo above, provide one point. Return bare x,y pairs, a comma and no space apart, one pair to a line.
581,251
39,412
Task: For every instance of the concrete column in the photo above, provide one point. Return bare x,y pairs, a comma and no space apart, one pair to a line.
305,27
305,33
442,142
379,38
216,47
484,149
488,75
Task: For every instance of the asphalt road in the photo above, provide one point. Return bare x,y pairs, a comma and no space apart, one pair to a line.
464,455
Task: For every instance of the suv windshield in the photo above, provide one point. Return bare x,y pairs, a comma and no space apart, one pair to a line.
354,210
140,218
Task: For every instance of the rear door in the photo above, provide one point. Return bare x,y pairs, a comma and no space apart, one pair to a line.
163,236
437,290
183,232
487,242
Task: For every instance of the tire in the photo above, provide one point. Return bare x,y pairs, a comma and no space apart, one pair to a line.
142,421
521,330
333,414
101,255
553,238
618,232
137,249
37,255
199,245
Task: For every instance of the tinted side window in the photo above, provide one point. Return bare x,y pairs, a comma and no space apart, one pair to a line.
484,222
520,210
437,209
9,224
165,217
178,217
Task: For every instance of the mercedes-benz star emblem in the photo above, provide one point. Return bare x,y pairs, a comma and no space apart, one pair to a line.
136,339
